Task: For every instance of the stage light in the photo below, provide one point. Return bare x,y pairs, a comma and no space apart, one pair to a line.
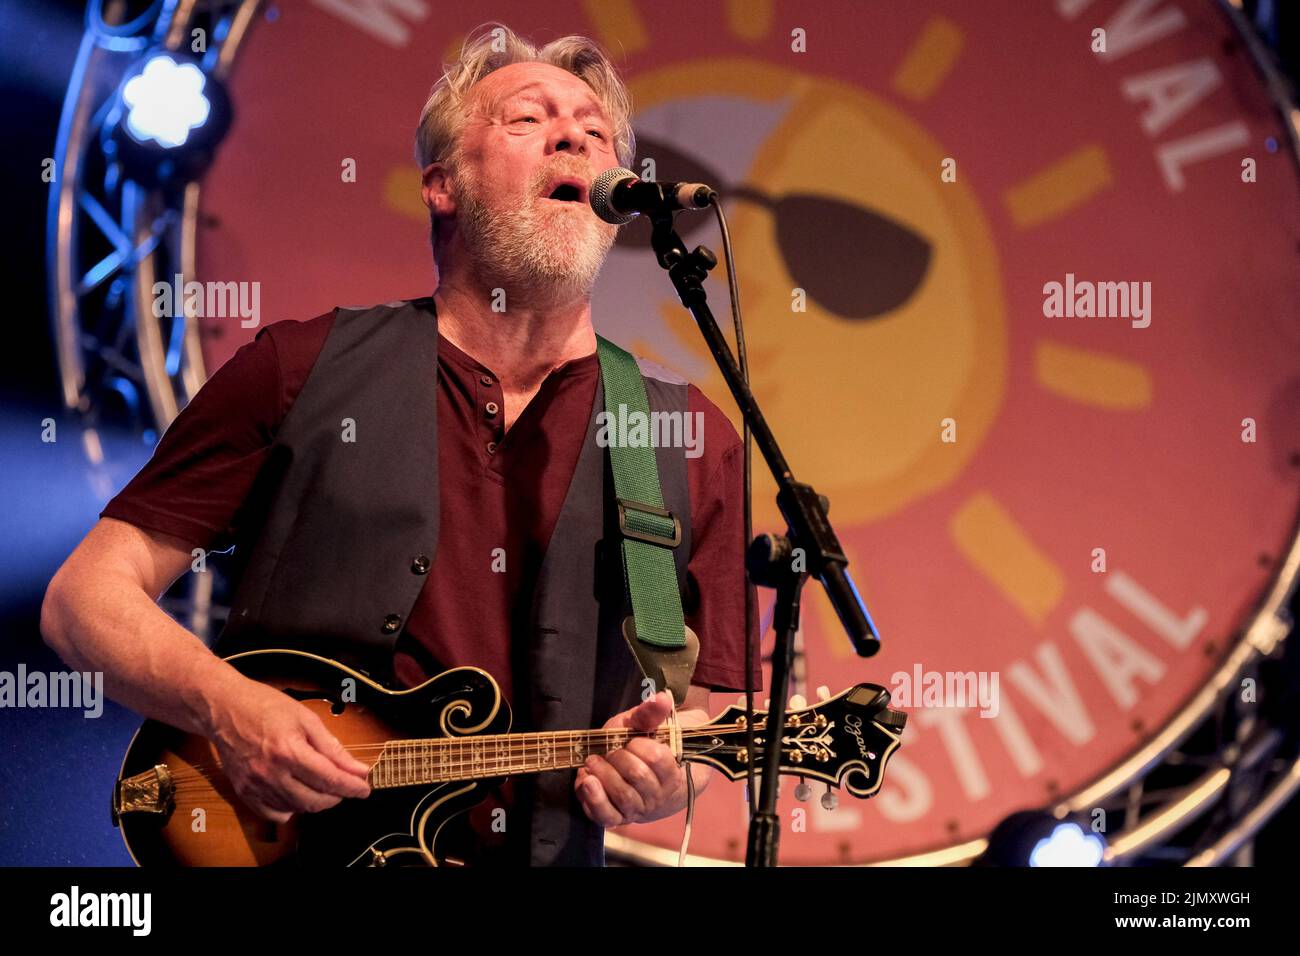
168,119
1037,838
165,101
1068,845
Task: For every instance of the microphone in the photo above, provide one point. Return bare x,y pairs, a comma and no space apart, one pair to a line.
618,195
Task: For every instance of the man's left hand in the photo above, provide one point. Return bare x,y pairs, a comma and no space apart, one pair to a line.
636,783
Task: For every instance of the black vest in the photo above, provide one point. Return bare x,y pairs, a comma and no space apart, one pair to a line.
332,565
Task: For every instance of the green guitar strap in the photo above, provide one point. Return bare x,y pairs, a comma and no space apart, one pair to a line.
656,632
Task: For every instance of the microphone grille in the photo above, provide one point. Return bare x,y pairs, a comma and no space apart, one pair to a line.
602,189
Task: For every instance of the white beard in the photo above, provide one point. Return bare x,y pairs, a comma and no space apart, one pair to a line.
549,251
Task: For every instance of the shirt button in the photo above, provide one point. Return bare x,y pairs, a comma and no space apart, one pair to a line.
491,408
391,623
491,447
486,380
419,564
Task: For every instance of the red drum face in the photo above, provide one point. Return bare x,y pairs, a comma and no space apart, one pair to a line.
1024,311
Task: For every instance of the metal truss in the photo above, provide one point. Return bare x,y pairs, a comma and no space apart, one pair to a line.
109,239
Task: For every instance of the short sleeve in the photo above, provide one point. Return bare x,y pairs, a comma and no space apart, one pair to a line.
206,462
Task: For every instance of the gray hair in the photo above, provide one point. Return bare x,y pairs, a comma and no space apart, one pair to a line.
437,137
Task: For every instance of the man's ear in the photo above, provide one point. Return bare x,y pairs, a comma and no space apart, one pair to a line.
435,189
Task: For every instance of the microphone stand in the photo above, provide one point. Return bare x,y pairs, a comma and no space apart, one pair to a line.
772,560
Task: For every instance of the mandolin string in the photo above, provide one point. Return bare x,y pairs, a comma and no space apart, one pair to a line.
184,779
188,782
191,785
520,745
527,742
193,770
188,789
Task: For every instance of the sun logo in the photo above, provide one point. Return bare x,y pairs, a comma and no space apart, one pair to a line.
869,286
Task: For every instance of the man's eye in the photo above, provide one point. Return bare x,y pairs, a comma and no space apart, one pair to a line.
522,118
597,133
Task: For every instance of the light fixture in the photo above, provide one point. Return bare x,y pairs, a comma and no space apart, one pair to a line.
168,118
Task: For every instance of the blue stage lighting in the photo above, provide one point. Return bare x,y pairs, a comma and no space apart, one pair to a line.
1038,838
168,119
165,101
1068,845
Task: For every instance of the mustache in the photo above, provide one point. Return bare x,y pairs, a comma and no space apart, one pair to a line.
572,167
467,185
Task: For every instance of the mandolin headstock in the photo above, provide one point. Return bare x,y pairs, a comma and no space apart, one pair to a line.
845,740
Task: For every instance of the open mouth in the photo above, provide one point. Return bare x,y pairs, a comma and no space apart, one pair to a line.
568,189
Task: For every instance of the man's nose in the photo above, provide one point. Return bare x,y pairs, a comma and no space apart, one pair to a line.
568,135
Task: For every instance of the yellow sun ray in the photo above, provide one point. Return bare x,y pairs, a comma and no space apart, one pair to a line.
402,193
1052,193
749,19
1092,378
929,60
994,543
618,25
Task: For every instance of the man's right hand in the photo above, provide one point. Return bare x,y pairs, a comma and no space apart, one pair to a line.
100,613
278,755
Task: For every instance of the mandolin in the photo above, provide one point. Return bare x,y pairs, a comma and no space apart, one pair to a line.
434,752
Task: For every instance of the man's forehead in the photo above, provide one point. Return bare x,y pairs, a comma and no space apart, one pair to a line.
518,78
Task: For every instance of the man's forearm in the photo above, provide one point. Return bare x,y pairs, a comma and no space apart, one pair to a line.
105,622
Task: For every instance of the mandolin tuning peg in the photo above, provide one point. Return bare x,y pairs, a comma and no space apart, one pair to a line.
823,693
797,702
740,701
802,791
829,800
767,703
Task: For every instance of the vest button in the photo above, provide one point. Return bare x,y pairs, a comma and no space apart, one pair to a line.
419,564
491,447
392,623
486,380
491,408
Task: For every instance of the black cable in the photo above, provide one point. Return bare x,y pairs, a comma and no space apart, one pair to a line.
743,362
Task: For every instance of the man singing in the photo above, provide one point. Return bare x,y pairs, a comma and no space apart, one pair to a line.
417,486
